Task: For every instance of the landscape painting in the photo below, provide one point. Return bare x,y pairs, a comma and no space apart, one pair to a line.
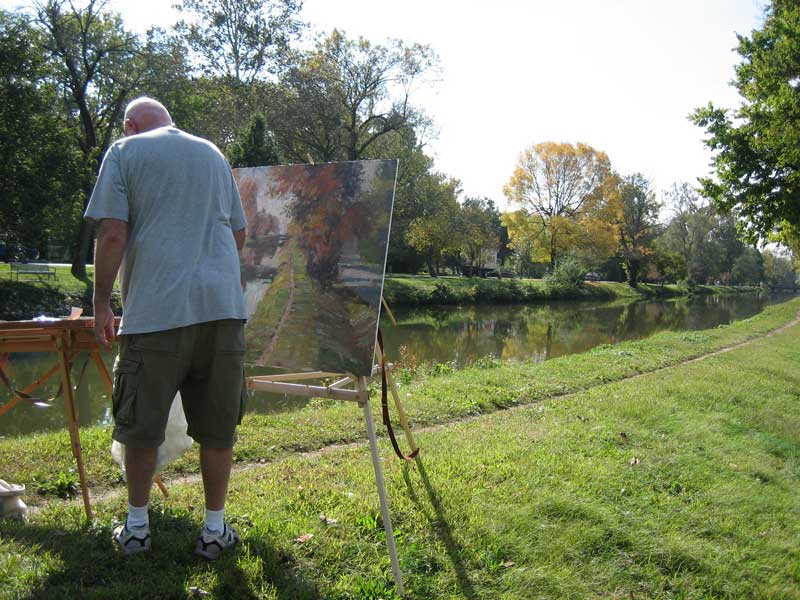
313,262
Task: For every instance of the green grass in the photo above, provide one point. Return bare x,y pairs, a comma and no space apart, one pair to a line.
30,297
677,484
432,394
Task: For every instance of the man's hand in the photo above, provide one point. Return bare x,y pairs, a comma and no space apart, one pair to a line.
104,325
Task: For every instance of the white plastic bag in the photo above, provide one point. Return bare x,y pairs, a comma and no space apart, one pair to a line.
176,442
11,504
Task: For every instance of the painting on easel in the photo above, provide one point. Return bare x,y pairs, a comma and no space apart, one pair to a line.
313,262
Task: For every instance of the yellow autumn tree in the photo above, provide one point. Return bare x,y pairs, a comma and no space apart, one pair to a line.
565,192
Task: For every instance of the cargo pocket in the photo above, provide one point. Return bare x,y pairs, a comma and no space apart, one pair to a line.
244,396
126,386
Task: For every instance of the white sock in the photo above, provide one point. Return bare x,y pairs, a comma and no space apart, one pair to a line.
214,520
137,516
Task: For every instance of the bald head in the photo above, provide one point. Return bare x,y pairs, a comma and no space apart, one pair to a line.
145,114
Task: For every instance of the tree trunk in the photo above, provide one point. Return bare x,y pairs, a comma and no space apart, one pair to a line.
552,253
431,267
633,273
81,251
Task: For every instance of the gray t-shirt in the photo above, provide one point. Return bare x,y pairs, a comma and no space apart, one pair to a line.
179,198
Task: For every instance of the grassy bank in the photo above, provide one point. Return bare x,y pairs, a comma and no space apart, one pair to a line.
432,395
678,484
30,297
419,290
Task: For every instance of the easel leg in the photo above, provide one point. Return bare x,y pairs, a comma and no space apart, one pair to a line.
72,424
376,463
400,411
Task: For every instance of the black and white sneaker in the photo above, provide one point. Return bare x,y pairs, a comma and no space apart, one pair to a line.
133,540
211,544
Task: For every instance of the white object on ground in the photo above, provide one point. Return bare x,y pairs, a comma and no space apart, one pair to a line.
11,505
176,442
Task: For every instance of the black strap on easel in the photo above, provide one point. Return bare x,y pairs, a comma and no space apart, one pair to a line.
385,406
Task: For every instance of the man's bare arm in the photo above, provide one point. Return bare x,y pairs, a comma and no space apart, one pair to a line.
112,240
239,237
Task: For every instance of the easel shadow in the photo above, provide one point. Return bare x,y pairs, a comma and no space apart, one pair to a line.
438,522
87,564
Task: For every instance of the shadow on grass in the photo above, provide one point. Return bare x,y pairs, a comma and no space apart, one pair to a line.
438,522
84,564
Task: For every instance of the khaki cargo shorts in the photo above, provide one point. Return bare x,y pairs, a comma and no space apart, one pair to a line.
205,362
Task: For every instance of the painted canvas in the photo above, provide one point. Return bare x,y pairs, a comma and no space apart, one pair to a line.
313,262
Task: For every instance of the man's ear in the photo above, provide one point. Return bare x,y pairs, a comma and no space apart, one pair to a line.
130,127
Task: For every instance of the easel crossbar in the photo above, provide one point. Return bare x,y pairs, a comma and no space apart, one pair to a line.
310,391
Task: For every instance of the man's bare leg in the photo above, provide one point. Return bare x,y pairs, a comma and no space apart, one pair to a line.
140,465
215,465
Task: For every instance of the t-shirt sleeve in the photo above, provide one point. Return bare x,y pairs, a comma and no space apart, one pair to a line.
238,220
110,196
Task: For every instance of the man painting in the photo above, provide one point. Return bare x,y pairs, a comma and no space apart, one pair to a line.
169,213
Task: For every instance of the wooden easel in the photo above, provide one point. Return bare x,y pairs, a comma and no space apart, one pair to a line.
352,388
67,338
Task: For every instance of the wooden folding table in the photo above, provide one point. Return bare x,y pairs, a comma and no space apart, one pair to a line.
67,338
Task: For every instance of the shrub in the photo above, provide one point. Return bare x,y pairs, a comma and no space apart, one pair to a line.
567,275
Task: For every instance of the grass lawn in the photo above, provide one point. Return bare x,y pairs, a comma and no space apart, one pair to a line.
681,483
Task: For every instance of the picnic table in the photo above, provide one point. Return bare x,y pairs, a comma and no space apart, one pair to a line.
39,270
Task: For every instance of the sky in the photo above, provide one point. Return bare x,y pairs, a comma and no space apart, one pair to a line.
619,75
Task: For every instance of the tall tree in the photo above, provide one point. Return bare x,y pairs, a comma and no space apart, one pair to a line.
432,234
779,271
256,148
241,40
638,223
481,236
99,66
557,184
39,163
748,268
757,146
688,230
347,94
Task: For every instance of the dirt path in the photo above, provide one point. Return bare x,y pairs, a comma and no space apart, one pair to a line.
243,467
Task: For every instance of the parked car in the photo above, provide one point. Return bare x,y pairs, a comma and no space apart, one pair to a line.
15,252
591,277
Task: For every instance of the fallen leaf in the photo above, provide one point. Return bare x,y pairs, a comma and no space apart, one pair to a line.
304,538
508,564
635,461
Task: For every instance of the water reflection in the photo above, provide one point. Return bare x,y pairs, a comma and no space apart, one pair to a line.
462,335
459,335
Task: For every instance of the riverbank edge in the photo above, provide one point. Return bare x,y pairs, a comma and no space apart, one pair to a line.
432,394
412,290
20,300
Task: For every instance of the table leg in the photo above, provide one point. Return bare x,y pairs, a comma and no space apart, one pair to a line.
101,368
72,423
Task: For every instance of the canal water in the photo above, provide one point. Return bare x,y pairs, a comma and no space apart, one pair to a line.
458,335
